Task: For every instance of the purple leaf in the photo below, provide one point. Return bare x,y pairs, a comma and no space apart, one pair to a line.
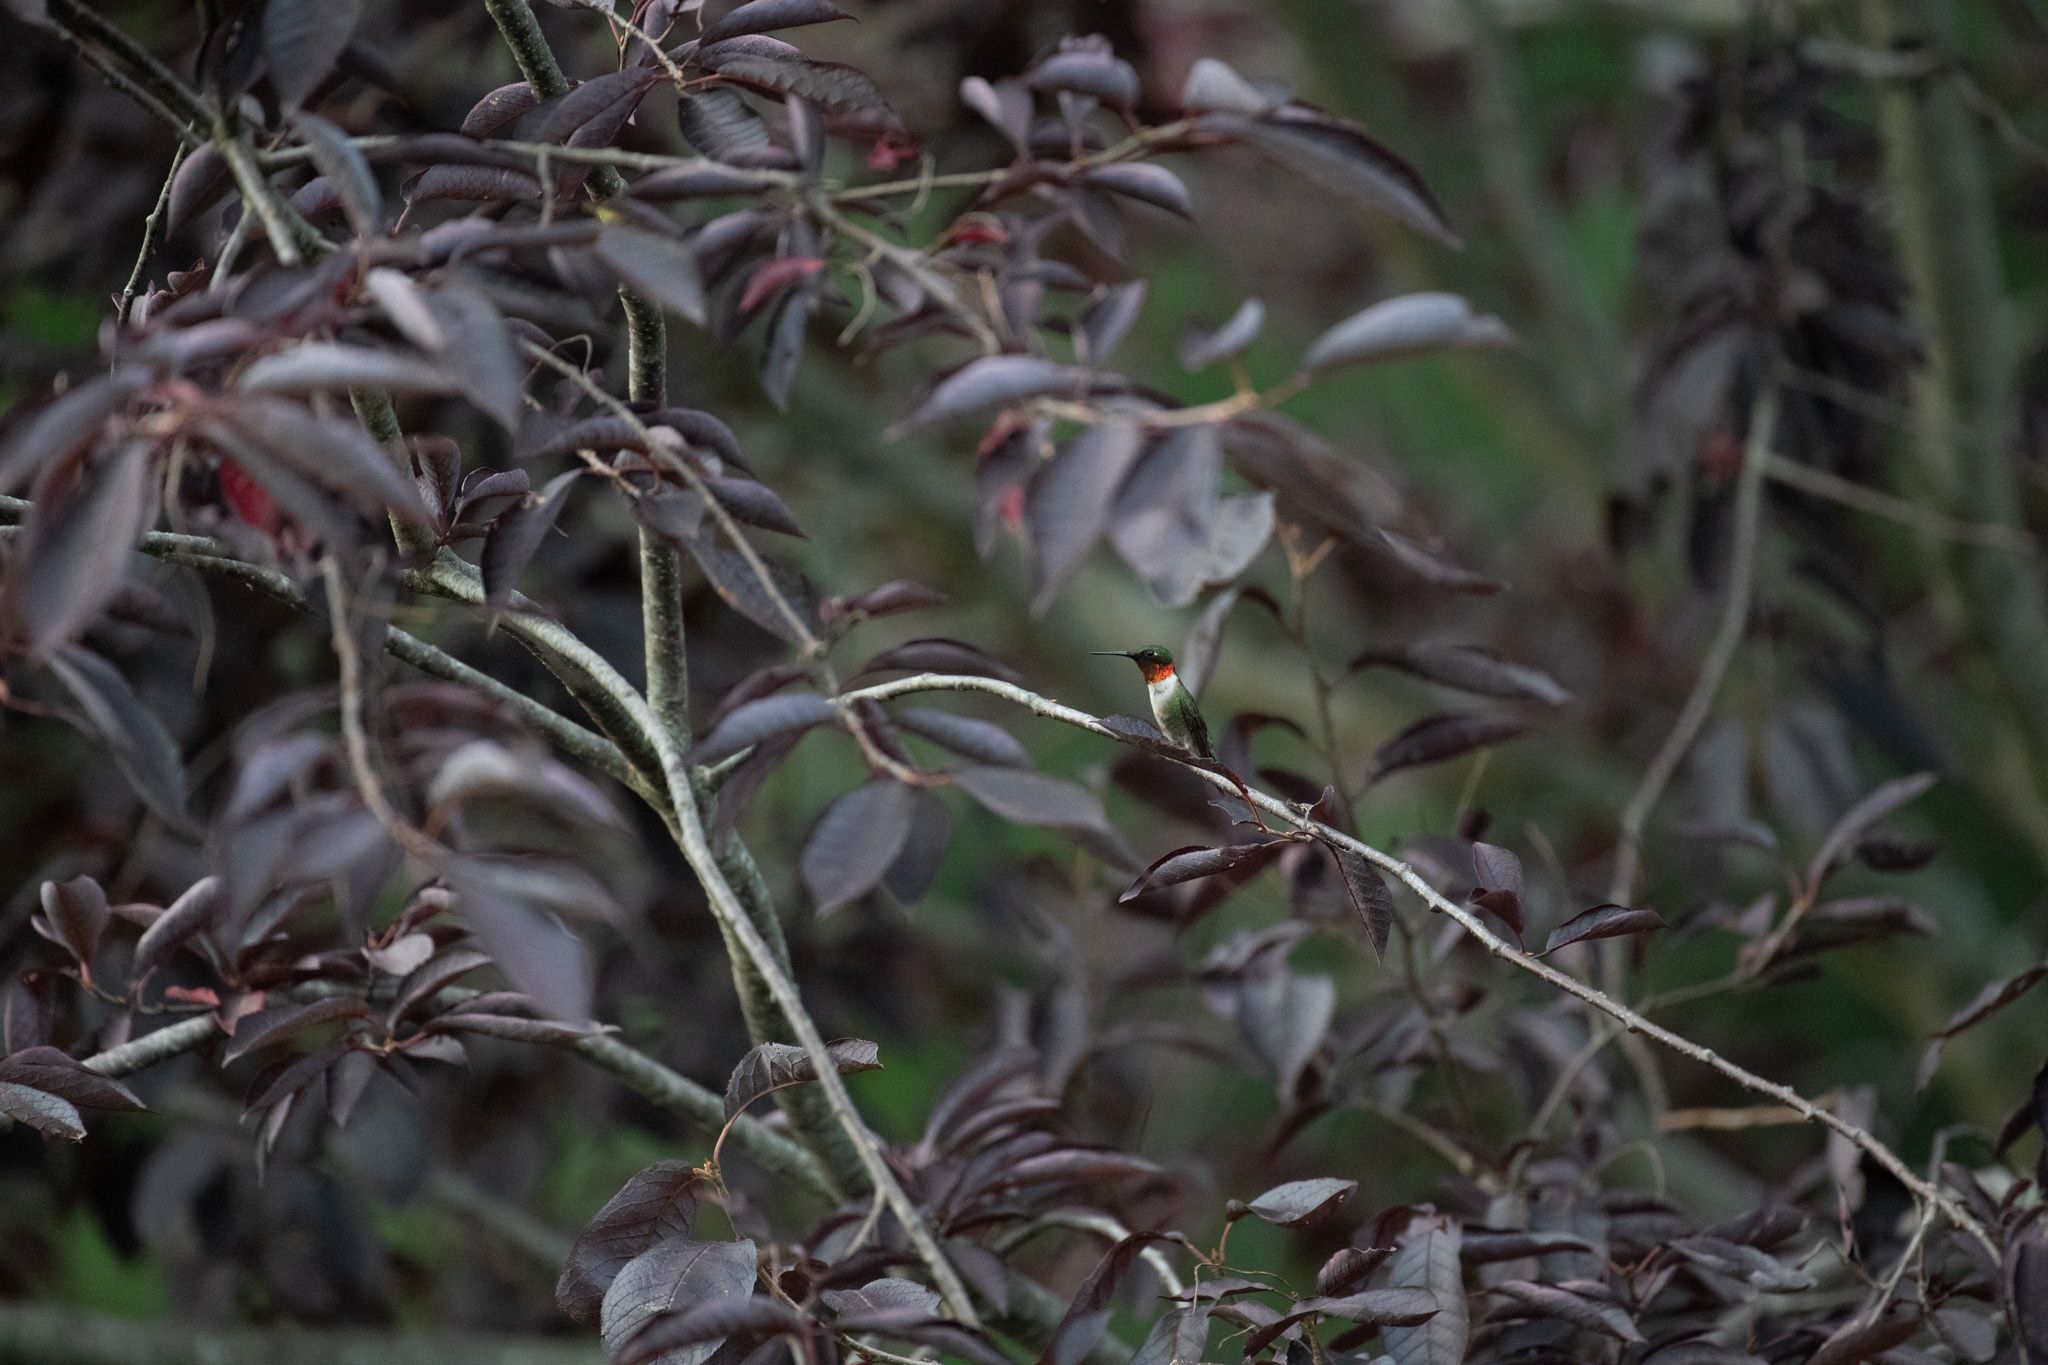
316,366
479,355
517,534
1067,506
655,1205
1603,921
674,1275
1428,1260
1196,861
761,16
1412,324
70,422
45,1113
978,740
1467,669
1438,738
662,269
995,380
1858,820
1338,155
74,916
57,1073
302,39
749,724
142,748
1200,349
673,1337
279,1025
1369,897
195,912
1032,798
855,841
776,1066
1302,1202
939,656
76,541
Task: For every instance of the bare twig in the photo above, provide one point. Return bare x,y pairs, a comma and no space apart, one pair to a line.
355,735
1734,622
1822,484
152,227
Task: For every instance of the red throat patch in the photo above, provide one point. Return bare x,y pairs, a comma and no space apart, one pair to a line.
1155,672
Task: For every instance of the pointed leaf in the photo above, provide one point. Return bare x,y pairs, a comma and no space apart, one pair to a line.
1477,671
1200,349
1428,1259
1338,155
1859,819
57,1073
517,534
302,40
659,268
674,1275
1603,921
755,721
1437,738
142,749
1409,325
342,163
976,739
1067,505
655,1205
479,354
763,16
855,841
75,546
1369,897
994,380
1302,1202
776,1066
195,912
316,366
43,1112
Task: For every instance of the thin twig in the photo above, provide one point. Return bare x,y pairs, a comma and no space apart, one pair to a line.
1734,623
1822,484
152,227
355,735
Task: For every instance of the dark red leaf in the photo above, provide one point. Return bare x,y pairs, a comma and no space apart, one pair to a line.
855,841
1603,921
1437,738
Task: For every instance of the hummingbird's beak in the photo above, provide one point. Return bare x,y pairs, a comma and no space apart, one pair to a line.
1111,653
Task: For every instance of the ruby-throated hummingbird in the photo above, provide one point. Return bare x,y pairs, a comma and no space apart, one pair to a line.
1180,720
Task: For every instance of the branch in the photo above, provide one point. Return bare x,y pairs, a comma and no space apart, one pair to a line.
1629,1019
663,1085
690,835
77,21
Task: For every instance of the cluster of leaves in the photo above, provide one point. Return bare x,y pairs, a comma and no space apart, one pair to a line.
376,388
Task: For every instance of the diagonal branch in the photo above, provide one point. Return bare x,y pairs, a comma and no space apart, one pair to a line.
1630,1020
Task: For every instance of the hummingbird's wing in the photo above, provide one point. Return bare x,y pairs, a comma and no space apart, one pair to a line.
1198,733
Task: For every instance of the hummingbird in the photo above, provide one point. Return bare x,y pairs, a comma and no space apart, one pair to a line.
1173,706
